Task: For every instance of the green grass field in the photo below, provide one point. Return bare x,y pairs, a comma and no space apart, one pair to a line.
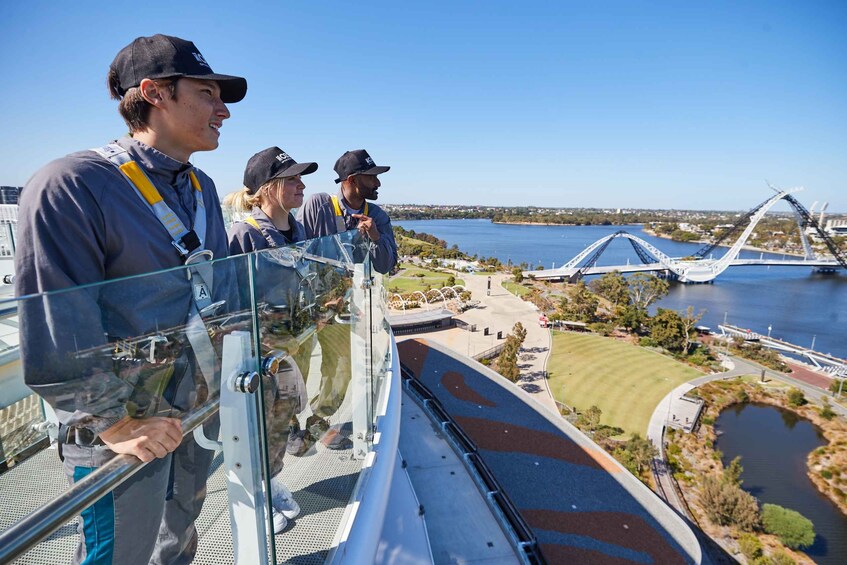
406,280
515,288
625,381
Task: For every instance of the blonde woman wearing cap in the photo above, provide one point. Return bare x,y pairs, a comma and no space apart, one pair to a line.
272,188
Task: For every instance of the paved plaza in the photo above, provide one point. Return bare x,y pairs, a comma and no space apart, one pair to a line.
499,312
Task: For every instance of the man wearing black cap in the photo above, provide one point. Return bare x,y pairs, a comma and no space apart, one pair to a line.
323,214
131,207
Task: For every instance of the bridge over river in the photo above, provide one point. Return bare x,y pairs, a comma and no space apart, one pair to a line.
698,268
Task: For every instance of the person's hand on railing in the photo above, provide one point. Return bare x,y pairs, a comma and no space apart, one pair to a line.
146,438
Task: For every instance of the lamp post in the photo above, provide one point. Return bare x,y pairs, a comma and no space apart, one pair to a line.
769,330
813,342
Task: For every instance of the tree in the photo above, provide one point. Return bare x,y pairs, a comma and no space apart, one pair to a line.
726,504
636,454
689,320
580,304
667,329
613,287
517,273
519,332
791,527
642,451
732,473
631,318
591,417
507,361
646,289
796,397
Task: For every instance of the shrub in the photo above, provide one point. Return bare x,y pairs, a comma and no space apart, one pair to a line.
826,474
826,411
707,420
779,557
796,397
727,505
791,527
602,328
647,342
699,358
750,547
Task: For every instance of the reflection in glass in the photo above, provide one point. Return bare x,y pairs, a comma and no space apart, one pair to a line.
133,347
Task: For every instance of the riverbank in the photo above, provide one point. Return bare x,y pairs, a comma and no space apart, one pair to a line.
529,223
692,456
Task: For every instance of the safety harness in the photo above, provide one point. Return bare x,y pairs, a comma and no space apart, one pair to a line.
252,221
188,243
340,225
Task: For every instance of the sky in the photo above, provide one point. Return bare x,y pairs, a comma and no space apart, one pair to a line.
629,104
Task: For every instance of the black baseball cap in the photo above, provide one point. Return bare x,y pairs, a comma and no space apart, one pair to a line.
163,56
356,162
273,163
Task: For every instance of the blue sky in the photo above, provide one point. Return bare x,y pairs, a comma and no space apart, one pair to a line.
607,104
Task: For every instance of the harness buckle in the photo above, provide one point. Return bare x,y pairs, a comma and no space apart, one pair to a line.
199,256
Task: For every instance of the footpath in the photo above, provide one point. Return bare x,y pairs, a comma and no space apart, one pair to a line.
499,312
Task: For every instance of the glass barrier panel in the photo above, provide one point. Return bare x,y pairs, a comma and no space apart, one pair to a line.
380,337
132,356
309,320
142,349
21,413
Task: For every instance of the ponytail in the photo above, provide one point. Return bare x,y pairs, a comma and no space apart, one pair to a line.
241,200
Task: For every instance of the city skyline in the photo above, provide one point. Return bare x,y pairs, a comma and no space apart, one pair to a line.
629,105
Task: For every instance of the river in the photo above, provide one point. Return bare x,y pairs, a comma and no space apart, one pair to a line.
799,306
741,429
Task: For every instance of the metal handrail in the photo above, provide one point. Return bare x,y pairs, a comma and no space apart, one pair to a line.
36,526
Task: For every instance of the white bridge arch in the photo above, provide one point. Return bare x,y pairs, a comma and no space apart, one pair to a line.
693,270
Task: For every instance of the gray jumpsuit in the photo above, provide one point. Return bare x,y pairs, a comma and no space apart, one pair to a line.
81,223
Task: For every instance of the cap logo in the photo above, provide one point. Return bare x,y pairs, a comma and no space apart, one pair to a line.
369,161
283,157
201,60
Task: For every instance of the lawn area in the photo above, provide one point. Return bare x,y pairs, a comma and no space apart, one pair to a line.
407,281
625,381
515,288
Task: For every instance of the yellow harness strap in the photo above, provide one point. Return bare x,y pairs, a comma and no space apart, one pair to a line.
142,183
252,221
337,206
145,187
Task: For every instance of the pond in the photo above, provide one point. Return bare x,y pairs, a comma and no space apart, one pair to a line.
773,444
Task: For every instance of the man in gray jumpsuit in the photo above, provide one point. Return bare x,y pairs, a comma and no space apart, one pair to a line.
82,221
323,215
